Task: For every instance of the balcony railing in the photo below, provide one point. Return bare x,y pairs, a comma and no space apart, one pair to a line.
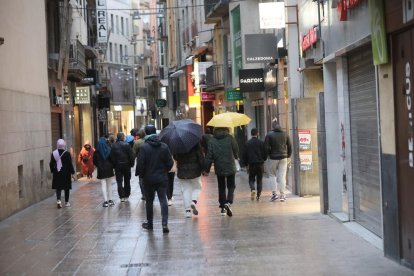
77,63
215,10
215,77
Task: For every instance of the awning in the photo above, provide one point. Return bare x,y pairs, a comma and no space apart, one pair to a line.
200,50
90,52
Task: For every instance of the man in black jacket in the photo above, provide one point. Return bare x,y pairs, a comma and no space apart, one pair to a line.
254,156
279,148
153,164
123,159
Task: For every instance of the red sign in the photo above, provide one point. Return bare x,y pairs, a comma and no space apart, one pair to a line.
207,96
344,6
310,38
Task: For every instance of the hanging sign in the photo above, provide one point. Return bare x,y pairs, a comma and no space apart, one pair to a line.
251,80
101,22
234,95
82,95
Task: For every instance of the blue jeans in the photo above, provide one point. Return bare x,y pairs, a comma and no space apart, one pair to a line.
161,189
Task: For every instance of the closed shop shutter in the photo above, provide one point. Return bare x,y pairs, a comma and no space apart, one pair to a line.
364,140
56,128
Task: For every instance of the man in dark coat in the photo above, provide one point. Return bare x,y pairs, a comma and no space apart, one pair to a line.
123,159
254,156
153,164
223,150
279,149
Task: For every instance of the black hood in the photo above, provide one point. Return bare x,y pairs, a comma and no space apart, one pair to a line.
220,133
153,140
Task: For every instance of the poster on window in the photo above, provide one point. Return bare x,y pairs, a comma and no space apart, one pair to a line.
305,149
305,139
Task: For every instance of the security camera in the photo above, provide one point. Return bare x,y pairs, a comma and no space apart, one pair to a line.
1,40
300,70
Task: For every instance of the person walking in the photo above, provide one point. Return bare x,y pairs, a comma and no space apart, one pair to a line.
170,186
189,169
279,149
205,139
123,159
61,167
103,162
85,159
254,156
153,164
222,151
137,145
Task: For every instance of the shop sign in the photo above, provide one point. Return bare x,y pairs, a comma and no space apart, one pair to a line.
344,6
101,22
410,114
208,96
260,48
378,34
272,15
237,44
140,107
82,95
258,102
234,95
251,80
160,102
194,101
270,78
305,149
102,115
310,38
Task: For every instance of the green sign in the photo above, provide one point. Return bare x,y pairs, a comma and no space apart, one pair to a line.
234,95
160,102
378,34
237,43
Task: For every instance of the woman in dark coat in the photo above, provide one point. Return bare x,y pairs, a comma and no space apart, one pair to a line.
102,160
62,169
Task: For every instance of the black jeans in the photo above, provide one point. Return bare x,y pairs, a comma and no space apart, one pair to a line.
170,187
123,174
256,173
161,189
231,186
59,194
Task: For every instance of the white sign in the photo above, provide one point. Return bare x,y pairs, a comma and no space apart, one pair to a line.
82,95
140,107
101,22
272,15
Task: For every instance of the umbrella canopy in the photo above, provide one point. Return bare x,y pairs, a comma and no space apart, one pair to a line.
181,136
229,119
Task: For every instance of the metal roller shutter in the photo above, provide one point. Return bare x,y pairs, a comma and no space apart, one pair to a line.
364,140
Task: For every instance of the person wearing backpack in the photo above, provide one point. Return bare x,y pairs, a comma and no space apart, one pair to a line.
62,170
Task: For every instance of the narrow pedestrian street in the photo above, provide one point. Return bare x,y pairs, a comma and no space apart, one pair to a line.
262,238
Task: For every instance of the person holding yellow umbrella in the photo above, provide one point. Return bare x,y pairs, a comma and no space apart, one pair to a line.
222,151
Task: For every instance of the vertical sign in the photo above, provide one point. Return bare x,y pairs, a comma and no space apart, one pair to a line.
101,22
378,34
305,149
237,43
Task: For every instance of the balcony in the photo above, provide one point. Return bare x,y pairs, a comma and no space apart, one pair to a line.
214,77
77,63
215,10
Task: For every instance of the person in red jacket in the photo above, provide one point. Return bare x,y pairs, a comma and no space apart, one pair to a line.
85,159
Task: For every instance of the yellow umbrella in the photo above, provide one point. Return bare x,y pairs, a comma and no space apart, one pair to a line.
229,119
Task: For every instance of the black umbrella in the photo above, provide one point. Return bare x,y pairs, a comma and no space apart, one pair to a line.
181,136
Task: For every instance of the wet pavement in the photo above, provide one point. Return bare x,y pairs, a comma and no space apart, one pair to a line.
262,238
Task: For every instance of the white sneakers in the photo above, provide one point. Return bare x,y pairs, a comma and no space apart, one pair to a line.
194,208
59,204
188,213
